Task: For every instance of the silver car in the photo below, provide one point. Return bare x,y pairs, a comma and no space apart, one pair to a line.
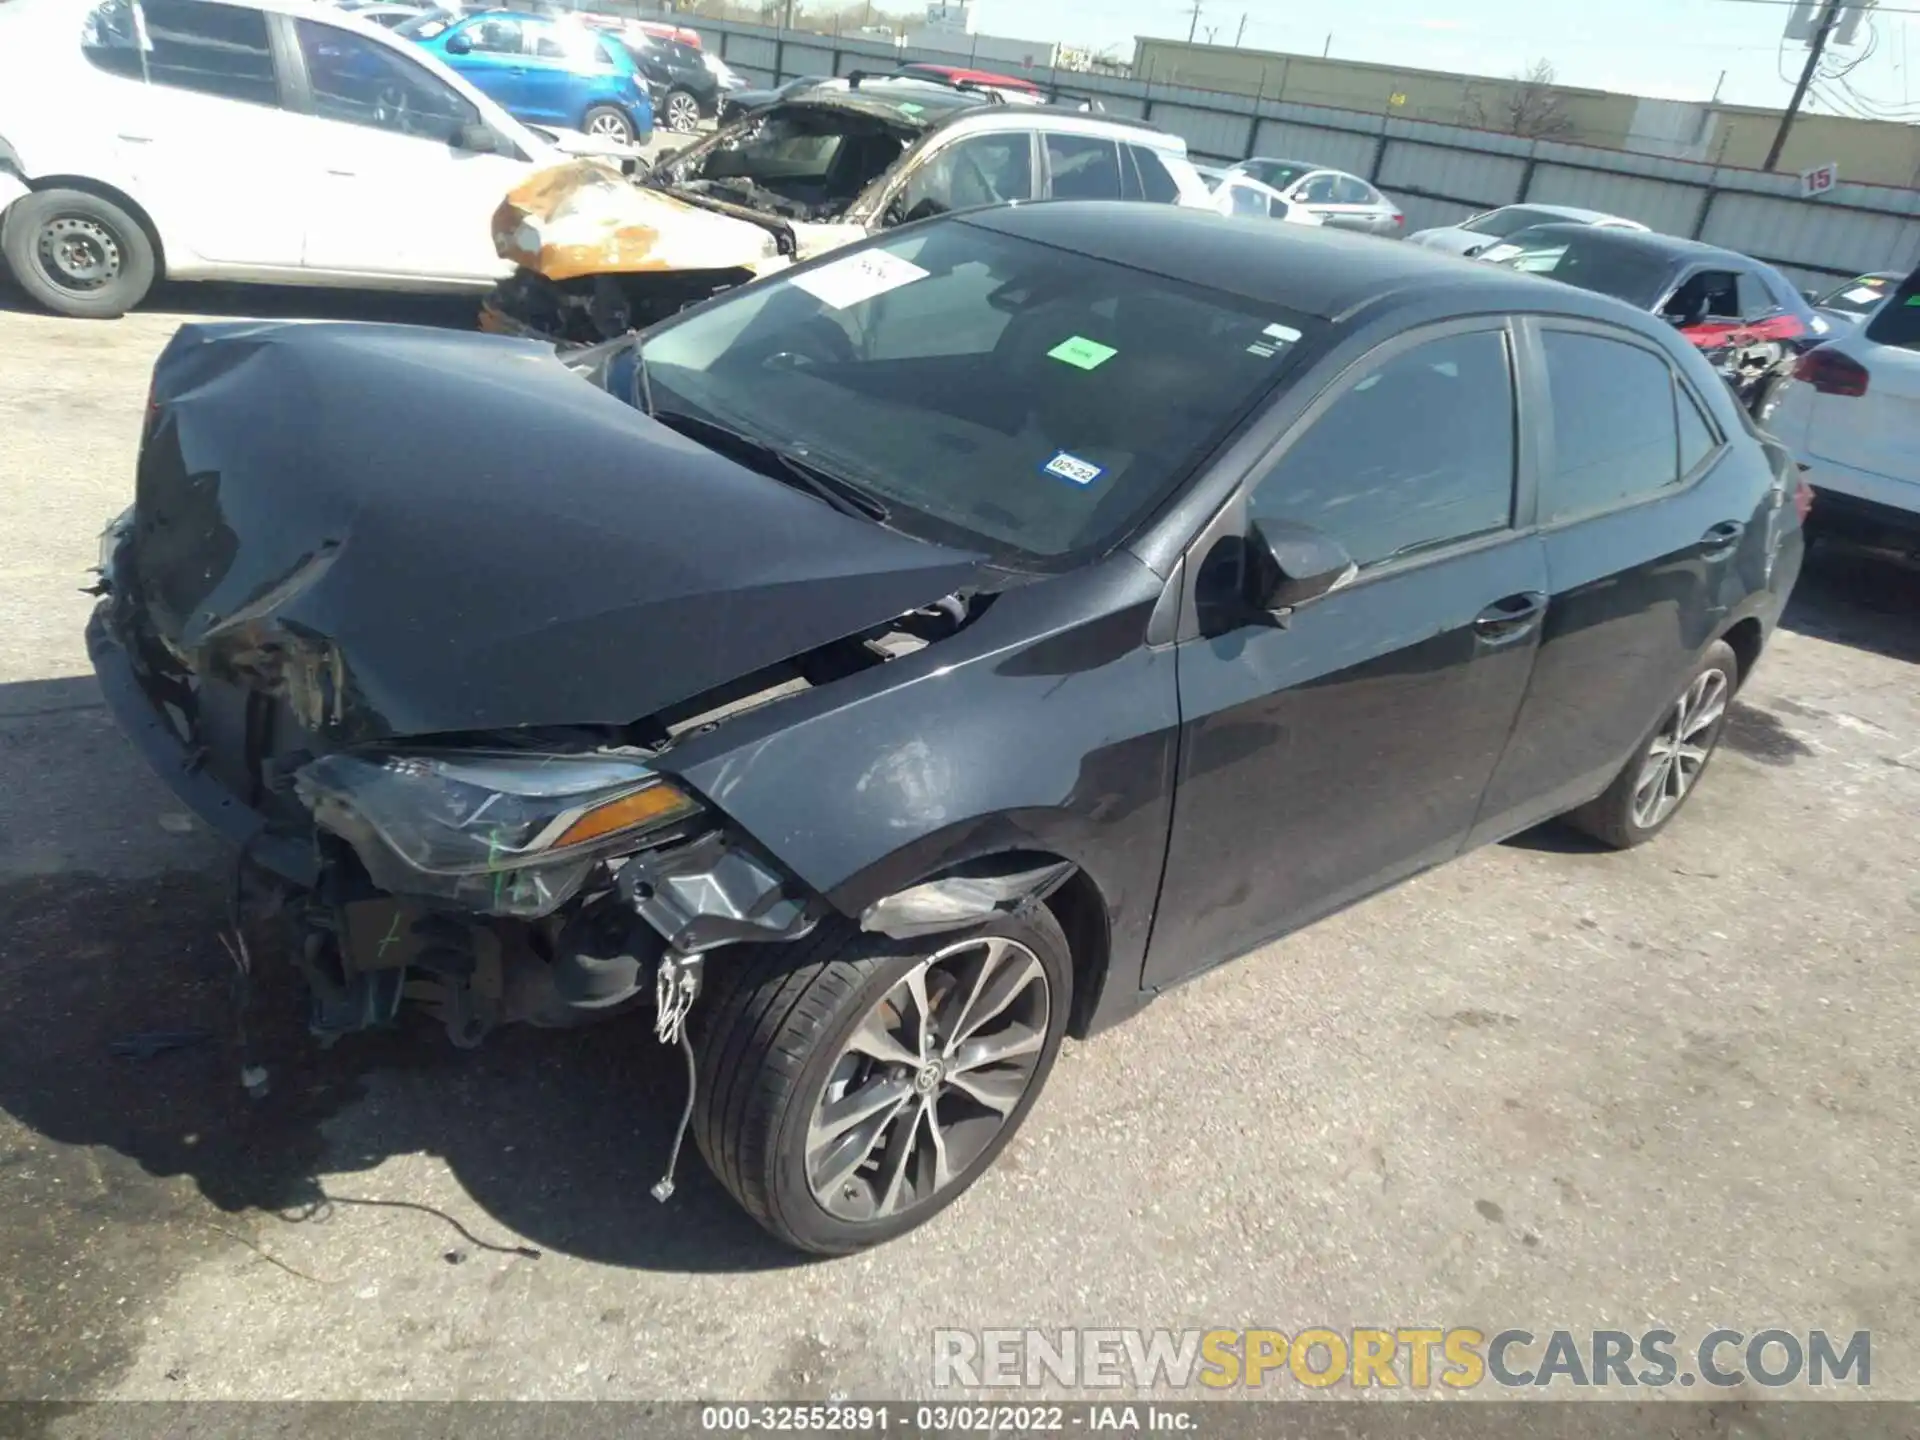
1490,227
1343,201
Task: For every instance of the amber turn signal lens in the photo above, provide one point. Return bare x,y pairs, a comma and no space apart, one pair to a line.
650,806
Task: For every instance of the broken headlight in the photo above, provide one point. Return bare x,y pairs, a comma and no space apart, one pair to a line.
505,833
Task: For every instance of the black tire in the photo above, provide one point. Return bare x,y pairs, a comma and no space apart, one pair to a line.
608,116
1618,818
92,224
680,112
775,1026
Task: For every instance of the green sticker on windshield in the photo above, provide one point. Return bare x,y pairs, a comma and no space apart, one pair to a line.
1085,353
1913,300
907,107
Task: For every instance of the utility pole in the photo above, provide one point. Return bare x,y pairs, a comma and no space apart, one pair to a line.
1193,25
1241,33
1829,17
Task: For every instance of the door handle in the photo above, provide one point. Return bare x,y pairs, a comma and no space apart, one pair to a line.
1510,619
1720,540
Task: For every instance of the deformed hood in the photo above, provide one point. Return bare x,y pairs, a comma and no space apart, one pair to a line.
411,531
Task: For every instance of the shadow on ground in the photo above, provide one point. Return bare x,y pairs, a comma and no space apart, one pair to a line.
1859,598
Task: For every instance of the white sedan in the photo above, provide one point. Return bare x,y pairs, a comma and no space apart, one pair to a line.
267,140
1473,236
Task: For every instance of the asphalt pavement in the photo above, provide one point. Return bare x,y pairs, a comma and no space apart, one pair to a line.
1545,1086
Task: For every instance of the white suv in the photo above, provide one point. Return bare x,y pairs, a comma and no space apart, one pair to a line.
274,140
1851,413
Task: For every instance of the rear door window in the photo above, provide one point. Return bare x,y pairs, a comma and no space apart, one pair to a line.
1245,200
1416,455
1350,190
1756,302
219,50
1085,167
494,36
1615,437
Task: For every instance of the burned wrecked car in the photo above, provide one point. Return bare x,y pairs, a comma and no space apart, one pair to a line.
596,255
884,670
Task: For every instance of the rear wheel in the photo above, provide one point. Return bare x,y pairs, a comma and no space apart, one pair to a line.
608,122
851,1089
1663,772
681,112
78,254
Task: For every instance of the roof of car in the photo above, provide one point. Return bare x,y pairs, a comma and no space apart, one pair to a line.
1571,212
1647,242
1307,269
927,103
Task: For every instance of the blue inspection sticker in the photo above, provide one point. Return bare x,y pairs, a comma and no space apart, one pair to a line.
1072,469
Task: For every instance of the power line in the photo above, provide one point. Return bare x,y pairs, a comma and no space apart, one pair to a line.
1877,9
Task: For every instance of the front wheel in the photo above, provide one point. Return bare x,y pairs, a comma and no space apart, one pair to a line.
681,112
853,1086
608,122
78,254
1656,782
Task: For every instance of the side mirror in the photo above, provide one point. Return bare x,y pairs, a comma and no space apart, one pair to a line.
1812,297
1294,563
478,138
459,45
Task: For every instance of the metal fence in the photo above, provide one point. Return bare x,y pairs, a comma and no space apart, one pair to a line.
1439,173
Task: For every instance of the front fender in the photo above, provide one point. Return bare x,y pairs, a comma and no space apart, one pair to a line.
1033,730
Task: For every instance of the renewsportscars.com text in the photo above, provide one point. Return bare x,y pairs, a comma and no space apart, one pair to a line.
1415,1358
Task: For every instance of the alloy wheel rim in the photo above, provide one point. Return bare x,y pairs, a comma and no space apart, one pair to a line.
608,127
682,113
1679,751
929,1077
78,254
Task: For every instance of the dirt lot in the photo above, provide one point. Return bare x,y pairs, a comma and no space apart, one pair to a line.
1544,1087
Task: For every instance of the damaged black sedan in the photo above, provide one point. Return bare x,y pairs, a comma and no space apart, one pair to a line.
885,670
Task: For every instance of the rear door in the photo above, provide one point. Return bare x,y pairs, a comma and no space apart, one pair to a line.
210,136
1879,432
1642,548
1325,759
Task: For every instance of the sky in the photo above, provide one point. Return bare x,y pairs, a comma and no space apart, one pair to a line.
1673,49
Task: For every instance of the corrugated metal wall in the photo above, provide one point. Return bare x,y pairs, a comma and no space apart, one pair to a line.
1442,173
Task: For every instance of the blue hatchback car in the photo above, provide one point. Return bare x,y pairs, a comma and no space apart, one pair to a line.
542,69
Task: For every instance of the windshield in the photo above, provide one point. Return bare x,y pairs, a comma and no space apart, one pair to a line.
990,392
1592,260
1502,223
1857,297
427,24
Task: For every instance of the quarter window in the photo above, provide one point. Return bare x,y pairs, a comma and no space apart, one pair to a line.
1614,437
1085,167
1416,455
1152,177
1697,437
219,50
1350,190
1754,299
363,82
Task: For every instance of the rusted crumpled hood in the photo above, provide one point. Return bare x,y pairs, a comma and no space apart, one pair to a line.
582,218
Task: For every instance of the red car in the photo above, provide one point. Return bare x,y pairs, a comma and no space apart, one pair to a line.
956,74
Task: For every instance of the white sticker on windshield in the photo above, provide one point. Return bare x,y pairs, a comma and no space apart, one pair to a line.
1863,295
841,283
1073,469
1285,334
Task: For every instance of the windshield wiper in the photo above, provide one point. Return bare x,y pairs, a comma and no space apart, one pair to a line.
842,494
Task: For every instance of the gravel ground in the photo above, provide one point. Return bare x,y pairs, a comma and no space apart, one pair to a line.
1542,1087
